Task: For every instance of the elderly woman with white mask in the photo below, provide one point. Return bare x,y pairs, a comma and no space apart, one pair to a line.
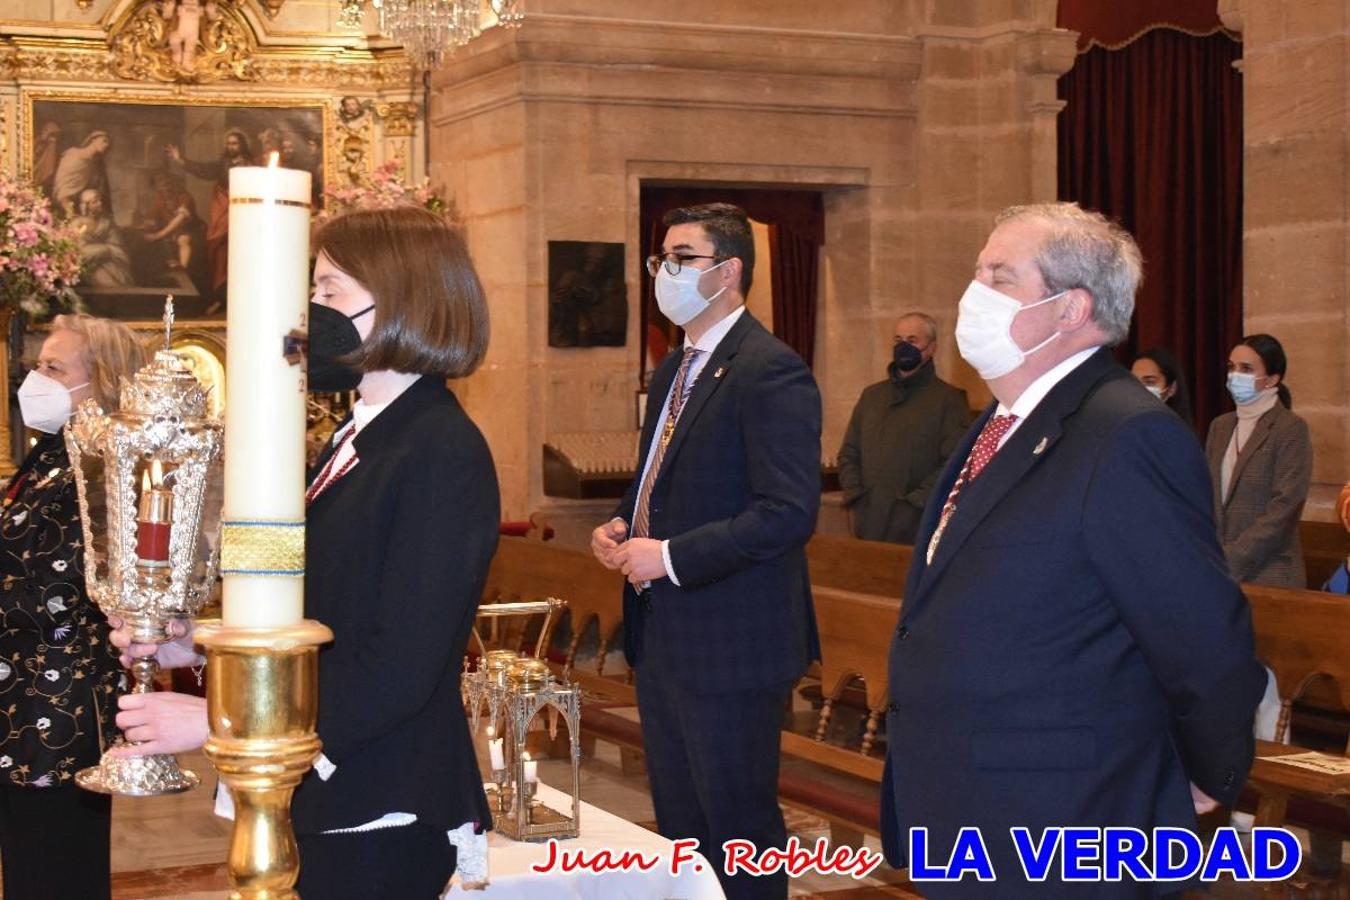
59,675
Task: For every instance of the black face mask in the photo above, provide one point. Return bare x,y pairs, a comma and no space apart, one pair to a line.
907,357
332,336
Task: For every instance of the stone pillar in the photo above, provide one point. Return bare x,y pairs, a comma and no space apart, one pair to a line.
987,139
1296,216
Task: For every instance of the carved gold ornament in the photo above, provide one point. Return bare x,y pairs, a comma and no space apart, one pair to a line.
399,118
196,41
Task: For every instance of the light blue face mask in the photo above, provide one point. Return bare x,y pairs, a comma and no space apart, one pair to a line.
1242,385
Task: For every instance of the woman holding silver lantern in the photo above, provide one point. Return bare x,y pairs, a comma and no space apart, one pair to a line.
58,673
401,526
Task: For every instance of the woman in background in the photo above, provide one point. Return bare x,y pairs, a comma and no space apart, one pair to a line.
59,675
1260,460
1157,369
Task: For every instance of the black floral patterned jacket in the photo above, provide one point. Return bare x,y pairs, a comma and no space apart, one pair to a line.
59,675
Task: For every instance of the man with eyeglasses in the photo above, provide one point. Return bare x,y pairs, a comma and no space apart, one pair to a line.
718,622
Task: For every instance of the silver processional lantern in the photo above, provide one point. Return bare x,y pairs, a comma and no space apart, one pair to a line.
149,480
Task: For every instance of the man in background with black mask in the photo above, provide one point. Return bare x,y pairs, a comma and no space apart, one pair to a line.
899,437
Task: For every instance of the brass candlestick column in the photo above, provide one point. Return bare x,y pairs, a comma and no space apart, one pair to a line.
262,703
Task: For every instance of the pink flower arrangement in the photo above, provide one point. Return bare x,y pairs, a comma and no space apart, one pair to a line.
39,258
381,189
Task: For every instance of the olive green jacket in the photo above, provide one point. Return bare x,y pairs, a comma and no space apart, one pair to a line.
898,439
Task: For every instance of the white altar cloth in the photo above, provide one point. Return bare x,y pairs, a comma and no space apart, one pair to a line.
512,877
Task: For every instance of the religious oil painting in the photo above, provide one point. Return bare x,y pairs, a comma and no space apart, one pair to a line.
587,298
148,182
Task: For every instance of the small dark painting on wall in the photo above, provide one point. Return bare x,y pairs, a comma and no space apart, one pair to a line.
587,298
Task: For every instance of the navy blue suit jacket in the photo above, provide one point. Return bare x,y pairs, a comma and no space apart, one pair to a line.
1076,651
737,497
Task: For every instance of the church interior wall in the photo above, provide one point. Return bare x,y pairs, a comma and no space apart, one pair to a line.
1296,227
606,103
917,120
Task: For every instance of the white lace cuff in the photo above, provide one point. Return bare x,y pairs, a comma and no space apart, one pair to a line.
471,856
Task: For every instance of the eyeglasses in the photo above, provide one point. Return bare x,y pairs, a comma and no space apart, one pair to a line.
673,261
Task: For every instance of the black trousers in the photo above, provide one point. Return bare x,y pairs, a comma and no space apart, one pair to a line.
712,761
54,843
410,862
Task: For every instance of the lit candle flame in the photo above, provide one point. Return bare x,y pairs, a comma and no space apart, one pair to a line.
145,480
273,159
155,474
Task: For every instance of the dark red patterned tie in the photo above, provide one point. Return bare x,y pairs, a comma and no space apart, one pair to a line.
328,477
986,445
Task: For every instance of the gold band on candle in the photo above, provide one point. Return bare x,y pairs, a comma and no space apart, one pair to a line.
262,548
277,200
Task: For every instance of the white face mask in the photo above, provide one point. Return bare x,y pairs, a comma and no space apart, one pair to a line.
984,330
1154,390
678,297
45,402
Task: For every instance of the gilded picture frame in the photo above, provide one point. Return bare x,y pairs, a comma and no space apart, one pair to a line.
146,176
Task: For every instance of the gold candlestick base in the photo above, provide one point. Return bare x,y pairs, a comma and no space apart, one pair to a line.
262,702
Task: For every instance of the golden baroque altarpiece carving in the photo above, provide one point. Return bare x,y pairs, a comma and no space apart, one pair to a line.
189,48
138,45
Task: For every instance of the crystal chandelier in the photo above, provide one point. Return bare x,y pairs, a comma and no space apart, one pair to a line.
430,30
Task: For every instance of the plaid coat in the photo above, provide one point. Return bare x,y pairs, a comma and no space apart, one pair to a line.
1258,520
737,497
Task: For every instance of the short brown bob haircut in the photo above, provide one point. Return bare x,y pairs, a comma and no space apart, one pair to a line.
431,316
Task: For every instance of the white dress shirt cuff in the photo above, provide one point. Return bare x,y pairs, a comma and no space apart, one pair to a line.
665,558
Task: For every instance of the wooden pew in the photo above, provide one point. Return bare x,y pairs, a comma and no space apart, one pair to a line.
864,567
855,632
1302,636
1325,547
840,783
526,569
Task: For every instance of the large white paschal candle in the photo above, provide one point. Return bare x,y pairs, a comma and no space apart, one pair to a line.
262,552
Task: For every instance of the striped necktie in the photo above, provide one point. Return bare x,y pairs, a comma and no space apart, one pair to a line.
678,395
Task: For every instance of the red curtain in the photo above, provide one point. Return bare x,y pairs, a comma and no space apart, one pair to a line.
796,221
1152,136
796,274
1111,24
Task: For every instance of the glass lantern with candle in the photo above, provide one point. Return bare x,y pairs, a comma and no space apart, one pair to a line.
518,691
149,486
